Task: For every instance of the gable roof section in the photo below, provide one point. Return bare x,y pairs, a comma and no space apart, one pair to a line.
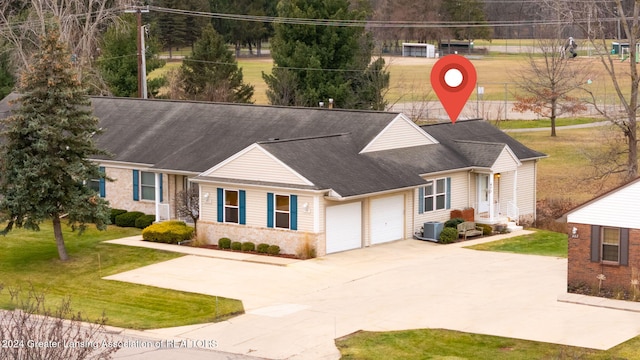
333,162
494,156
400,133
194,136
478,130
615,208
254,163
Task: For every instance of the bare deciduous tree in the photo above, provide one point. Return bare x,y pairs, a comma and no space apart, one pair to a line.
80,23
188,205
595,18
548,79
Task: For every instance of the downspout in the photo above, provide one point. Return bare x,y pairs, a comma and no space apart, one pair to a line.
157,189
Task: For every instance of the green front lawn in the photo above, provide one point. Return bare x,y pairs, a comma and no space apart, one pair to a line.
30,258
544,123
540,242
448,344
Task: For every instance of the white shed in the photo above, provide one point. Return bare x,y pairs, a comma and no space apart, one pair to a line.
418,50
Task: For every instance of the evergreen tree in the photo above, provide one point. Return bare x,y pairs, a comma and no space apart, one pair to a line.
44,160
171,27
470,12
319,62
212,73
118,63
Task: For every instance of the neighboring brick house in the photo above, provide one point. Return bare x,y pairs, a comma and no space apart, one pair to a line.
604,241
340,179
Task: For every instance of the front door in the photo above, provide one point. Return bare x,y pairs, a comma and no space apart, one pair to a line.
483,192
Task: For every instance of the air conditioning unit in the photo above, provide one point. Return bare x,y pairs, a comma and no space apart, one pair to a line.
432,230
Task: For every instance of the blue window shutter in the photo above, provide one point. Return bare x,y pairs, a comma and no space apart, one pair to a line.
270,212
160,187
448,193
421,200
103,174
595,243
293,212
624,246
136,191
243,207
220,205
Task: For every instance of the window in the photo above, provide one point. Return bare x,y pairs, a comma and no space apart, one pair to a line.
94,184
610,245
98,185
231,206
147,185
435,195
282,211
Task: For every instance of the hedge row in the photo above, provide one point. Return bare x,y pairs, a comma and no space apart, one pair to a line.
123,218
171,232
226,243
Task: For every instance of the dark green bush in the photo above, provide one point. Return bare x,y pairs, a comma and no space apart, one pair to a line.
144,221
114,213
224,243
486,229
453,223
273,250
448,235
128,219
236,245
262,248
171,232
248,246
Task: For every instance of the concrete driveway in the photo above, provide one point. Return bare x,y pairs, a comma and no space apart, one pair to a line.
296,311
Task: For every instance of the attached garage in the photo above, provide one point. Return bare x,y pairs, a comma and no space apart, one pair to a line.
387,219
344,227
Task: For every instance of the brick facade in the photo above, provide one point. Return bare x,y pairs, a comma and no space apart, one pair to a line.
582,271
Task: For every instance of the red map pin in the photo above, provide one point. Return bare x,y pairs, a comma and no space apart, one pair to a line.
453,78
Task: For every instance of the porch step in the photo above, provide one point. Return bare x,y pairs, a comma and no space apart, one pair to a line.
511,226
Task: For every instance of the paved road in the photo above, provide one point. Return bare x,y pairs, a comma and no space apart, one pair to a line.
296,311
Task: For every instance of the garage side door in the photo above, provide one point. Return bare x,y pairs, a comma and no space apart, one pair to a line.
387,219
344,227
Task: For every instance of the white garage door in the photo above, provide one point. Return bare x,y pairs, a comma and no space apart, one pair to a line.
387,219
344,227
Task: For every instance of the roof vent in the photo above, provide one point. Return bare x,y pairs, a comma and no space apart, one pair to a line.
274,139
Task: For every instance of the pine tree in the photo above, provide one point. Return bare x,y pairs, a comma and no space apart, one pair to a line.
44,160
212,73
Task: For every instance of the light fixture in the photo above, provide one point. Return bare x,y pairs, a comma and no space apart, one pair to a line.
574,232
206,198
498,175
305,207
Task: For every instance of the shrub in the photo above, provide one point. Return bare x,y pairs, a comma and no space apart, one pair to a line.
273,250
236,245
128,219
448,235
144,221
224,243
114,213
263,248
486,229
171,232
453,223
248,246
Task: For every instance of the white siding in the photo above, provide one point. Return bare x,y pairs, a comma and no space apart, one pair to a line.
505,162
526,187
459,200
256,206
618,209
257,165
399,133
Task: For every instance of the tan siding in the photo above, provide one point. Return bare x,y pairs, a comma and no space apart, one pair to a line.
208,210
505,162
459,200
526,185
398,135
504,187
257,165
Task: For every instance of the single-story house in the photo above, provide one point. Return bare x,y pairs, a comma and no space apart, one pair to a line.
338,179
604,239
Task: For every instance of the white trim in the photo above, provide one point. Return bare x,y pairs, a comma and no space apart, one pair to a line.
243,185
264,151
157,193
276,211
331,197
122,165
400,117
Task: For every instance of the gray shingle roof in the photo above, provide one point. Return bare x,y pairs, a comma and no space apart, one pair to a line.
322,145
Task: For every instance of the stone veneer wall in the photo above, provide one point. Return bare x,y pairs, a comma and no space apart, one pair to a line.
290,241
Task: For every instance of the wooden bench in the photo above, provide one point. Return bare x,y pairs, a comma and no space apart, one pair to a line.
469,228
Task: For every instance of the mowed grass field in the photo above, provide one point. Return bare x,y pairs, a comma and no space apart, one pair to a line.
410,77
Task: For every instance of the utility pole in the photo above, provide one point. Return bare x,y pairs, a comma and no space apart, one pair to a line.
142,71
